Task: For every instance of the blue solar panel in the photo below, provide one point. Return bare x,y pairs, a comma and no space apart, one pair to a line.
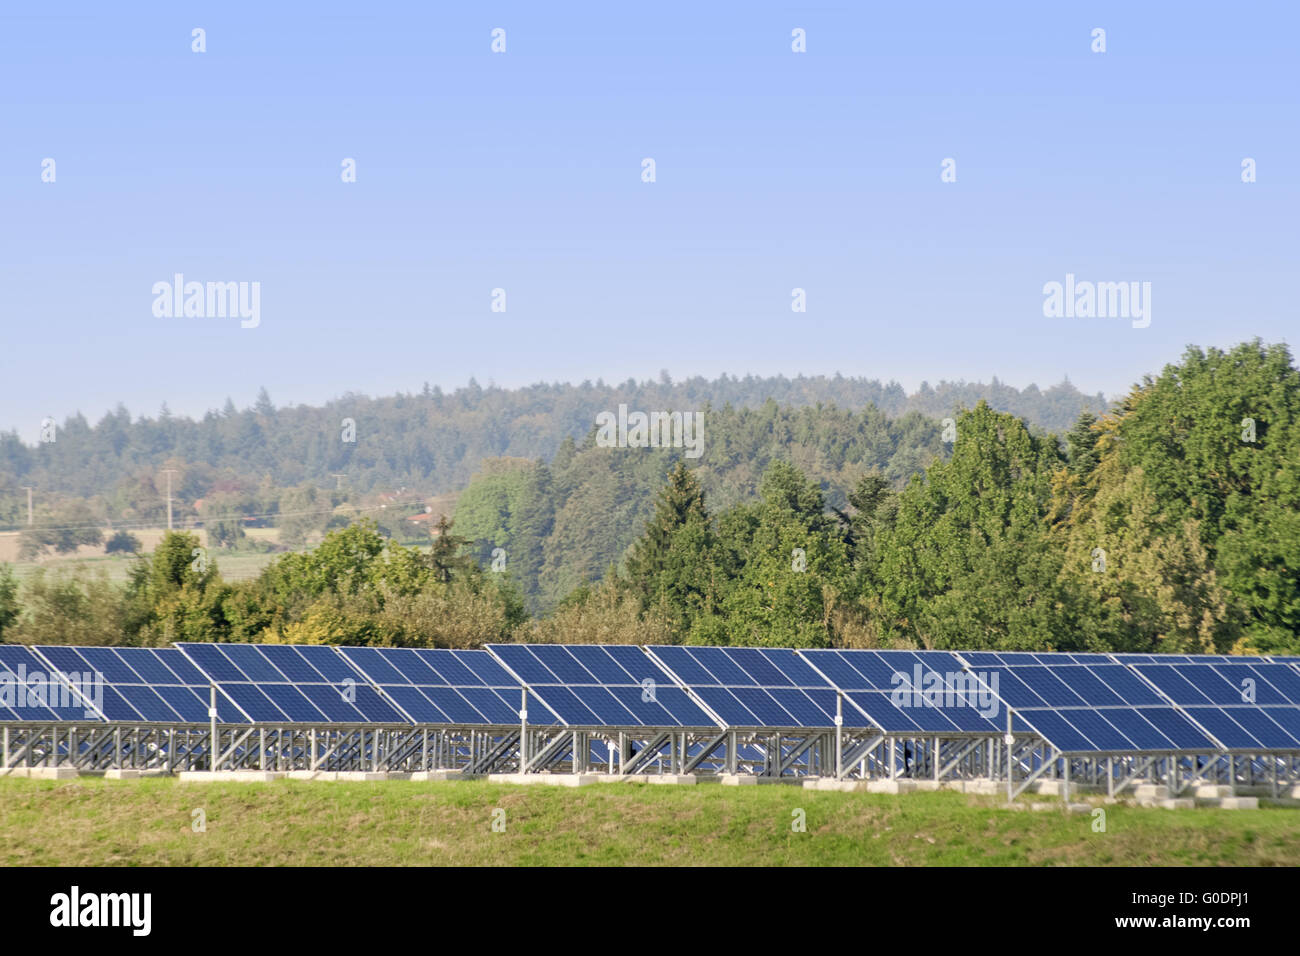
47,696
757,687
1101,733
457,709
1285,680
1080,702
499,706
908,691
525,664
590,685
105,660
286,683
1064,735
837,670
371,662
437,686
686,667
601,665
725,704
1043,682
1262,724
1087,686
147,703
1140,732
605,706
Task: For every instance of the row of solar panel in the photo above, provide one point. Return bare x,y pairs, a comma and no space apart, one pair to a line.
1094,702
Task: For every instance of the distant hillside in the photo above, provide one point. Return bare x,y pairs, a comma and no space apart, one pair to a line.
434,442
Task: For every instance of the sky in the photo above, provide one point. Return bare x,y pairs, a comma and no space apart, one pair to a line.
522,170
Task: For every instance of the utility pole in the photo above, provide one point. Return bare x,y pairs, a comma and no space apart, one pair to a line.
169,472
29,506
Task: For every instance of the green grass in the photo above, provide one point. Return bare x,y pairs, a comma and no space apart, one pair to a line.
149,822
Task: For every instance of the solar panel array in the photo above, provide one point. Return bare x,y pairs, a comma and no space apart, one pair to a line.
1081,703
27,681
591,685
445,687
1085,704
323,687
143,683
754,687
889,688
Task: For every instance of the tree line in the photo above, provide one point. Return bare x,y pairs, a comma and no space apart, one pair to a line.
429,441
1169,524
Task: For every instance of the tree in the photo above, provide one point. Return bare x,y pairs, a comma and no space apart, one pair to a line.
223,518
9,606
966,563
669,566
123,542
446,556
793,567
68,528
70,606
175,594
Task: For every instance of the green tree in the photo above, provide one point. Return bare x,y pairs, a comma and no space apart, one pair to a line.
967,563
792,568
670,565
123,542
175,594
69,527
9,604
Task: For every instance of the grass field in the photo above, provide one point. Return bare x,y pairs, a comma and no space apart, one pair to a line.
149,822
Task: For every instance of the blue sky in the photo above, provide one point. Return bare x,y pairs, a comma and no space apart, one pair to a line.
522,171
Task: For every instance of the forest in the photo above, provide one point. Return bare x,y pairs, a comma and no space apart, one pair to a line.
1167,522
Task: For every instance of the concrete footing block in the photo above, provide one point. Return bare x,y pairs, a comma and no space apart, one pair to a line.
1078,808
552,779
428,776
42,773
312,775
680,778
830,783
1212,791
1175,803
1232,803
891,786
227,776
1151,791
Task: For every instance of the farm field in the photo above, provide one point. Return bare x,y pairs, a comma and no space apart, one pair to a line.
234,565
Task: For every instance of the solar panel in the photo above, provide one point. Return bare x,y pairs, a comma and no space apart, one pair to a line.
36,691
144,683
437,686
1080,703
911,691
592,685
757,687
249,676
